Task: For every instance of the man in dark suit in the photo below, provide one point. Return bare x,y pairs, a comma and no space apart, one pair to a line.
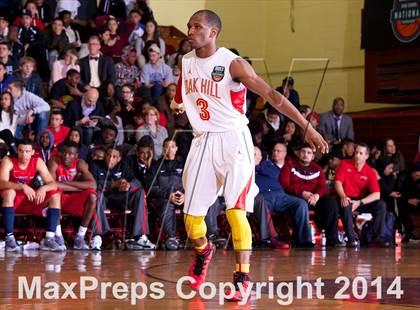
96,68
335,125
85,112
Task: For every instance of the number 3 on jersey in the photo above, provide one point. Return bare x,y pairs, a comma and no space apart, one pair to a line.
204,114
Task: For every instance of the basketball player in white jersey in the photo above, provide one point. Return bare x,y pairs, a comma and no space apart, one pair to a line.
212,91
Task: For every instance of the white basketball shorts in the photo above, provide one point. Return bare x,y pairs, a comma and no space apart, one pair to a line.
220,161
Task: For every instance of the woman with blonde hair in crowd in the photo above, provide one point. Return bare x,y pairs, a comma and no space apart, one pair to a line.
152,128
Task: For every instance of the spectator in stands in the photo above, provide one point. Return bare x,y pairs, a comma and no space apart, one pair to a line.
62,66
333,161
150,35
129,103
153,129
314,118
76,135
31,8
163,104
262,215
116,183
336,125
85,113
390,150
59,131
32,110
115,8
375,154
287,89
358,190
126,71
4,27
96,68
112,110
9,62
136,27
44,147
155,75
347,149
305,110
32,41
20,195
107,137
142,162
16,47
98,153
290,134
31,80
72,34
5,78
57,41
305,179
44,11
8,120
266,177
175,58
143,6
166,193
66,90
410,202
388,183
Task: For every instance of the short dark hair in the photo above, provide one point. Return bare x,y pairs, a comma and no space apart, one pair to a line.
145,141
212,18
306,146
57,111
69,143
365,145
62,13
17,83
110,126
168,140
72,72
5,43
114,149
26,141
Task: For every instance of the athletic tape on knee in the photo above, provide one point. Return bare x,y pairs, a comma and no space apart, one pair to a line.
195,226
241,231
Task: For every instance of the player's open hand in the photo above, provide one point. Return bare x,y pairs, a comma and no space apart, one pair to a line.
315,140
29,192
40,195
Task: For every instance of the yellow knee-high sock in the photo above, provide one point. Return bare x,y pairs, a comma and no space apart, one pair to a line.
241,231
196,228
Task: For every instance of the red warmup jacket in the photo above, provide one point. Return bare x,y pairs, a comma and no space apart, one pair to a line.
296,178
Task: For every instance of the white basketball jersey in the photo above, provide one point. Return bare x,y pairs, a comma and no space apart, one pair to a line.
212,100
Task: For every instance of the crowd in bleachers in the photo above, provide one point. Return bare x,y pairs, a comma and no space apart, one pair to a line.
94,82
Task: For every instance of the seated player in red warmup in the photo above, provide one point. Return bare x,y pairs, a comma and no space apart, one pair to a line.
79,192
17,181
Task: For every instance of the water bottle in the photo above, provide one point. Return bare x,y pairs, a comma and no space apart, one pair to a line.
312,224
397,238
323,239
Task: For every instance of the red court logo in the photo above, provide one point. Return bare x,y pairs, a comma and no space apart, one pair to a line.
405,20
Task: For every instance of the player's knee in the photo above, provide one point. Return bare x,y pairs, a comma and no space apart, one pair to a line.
9,194
92,199
195,226
241,231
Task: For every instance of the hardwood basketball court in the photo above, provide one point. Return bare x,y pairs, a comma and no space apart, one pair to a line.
168,267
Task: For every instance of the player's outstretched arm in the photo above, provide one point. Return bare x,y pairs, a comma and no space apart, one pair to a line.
242,71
